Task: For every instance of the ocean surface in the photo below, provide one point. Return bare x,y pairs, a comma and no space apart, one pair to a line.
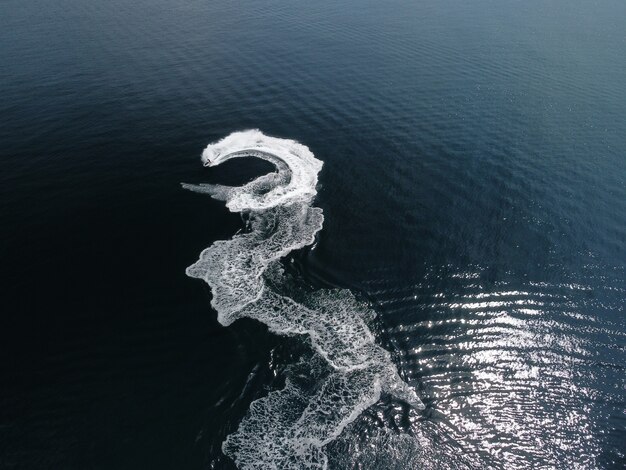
432,276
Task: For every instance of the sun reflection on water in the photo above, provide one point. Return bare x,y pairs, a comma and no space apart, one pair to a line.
508,371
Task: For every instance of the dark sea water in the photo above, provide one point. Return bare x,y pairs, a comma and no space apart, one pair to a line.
474,195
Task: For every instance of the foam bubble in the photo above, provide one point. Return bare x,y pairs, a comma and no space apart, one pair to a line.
290,427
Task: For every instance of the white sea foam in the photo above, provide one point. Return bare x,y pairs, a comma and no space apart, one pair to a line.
290,427
294,180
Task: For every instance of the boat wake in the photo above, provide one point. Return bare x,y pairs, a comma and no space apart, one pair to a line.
289,428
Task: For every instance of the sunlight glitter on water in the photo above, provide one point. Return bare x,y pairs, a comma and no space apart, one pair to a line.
505,369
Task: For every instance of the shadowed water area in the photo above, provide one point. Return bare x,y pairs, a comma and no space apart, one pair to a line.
474,234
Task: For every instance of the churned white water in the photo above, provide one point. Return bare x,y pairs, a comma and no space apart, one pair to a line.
290,427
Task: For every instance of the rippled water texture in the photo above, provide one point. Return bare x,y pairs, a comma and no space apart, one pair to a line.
472,250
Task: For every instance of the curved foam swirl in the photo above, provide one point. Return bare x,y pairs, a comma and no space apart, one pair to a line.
290,427
294,180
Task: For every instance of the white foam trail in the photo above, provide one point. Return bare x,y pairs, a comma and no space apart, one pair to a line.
289,428
294,181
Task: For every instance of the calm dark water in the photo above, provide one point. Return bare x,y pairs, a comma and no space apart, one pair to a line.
473,190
